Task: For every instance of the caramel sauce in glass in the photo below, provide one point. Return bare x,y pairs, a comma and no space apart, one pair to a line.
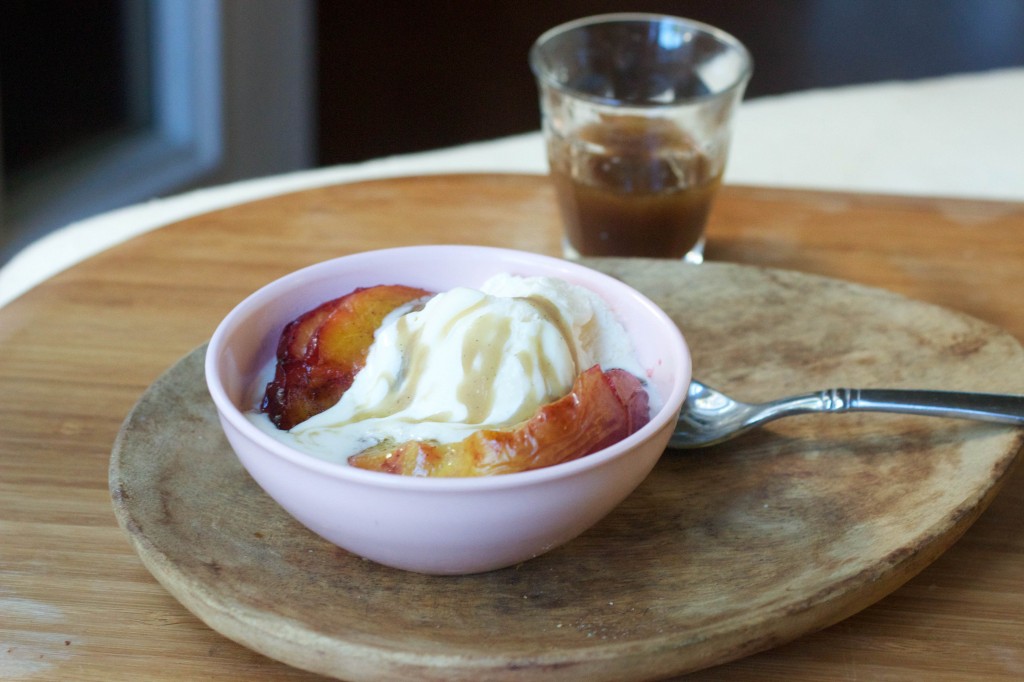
632,186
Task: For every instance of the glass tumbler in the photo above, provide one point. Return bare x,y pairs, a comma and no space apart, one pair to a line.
637,114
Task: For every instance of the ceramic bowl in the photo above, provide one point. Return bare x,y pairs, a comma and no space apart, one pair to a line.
439,526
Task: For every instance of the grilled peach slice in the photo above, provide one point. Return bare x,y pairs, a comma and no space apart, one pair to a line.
602,408
321,351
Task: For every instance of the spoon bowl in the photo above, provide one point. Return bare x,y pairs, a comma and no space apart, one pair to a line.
709,416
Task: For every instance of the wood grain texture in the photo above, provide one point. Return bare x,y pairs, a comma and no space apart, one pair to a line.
721,552
77,352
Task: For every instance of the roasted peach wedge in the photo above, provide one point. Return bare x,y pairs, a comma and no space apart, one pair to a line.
321,351
601,409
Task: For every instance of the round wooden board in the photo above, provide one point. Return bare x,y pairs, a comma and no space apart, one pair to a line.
722,552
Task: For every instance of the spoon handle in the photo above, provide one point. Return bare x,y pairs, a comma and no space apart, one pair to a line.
1007,409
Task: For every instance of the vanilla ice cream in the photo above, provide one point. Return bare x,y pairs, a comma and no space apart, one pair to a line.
469,360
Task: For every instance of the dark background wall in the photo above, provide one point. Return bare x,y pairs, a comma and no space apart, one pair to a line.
397,77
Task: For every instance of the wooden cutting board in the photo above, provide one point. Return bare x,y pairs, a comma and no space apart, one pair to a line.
720,553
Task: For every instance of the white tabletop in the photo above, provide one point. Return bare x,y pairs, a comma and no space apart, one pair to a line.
957,136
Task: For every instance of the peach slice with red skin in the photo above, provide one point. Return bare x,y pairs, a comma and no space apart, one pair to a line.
601,409
321,351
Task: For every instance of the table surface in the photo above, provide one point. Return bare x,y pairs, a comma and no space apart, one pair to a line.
77,351
871,138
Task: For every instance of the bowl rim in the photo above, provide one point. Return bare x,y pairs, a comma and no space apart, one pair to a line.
344,472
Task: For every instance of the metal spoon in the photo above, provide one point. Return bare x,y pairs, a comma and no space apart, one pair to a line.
709,416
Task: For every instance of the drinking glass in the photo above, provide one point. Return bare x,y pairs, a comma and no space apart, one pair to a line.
637,114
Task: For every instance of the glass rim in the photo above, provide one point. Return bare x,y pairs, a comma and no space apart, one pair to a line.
544,75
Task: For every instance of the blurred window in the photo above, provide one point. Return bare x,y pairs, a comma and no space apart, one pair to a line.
102,103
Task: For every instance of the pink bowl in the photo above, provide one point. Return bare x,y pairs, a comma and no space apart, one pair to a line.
440,526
